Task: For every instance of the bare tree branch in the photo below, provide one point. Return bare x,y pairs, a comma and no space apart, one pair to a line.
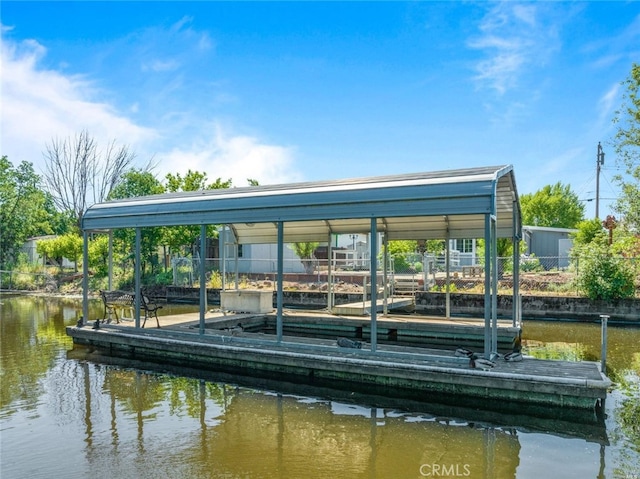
78,175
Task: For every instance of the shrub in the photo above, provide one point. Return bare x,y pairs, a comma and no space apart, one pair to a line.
164,278
215,281
530,264
602,275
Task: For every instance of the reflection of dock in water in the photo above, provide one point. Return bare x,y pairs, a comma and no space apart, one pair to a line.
410,372
280,421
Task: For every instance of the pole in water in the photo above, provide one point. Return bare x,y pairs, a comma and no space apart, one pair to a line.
603,354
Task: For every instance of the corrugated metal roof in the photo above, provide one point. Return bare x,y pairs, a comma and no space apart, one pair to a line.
411,206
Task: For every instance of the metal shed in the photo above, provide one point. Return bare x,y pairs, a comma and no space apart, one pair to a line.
465,203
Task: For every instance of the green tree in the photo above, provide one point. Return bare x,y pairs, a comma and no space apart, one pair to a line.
305,252
554,206
25,210
184,237
99,255
588,231
401,252
66,246
132,184
626,143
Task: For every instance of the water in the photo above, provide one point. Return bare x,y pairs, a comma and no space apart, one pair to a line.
63,415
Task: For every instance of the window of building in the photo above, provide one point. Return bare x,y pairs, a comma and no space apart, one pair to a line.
464,245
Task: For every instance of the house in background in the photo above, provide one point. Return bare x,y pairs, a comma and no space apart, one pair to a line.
553,244
349,251
29,248
467,251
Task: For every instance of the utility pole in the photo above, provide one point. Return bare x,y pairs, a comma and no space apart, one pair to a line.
599,163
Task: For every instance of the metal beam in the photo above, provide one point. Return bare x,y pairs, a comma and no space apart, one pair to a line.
374,288
203,276
280,279
494,289
487,285
85,277
137,281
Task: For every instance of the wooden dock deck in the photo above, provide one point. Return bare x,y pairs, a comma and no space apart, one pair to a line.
413,372
362,308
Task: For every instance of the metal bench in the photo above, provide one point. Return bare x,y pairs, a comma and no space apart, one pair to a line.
114,300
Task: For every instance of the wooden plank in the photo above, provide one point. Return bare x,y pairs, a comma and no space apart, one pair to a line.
362,308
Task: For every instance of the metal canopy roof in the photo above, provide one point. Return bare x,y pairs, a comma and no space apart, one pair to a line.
411,206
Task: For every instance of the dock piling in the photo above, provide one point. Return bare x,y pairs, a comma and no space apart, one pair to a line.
604,318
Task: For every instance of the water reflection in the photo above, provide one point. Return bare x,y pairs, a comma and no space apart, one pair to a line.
195,428
69,413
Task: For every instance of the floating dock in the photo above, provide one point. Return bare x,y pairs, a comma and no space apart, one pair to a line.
410,372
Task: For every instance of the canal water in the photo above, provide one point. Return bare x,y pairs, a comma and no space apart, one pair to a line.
63,414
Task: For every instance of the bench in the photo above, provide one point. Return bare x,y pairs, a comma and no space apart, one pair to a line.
114,300
472,271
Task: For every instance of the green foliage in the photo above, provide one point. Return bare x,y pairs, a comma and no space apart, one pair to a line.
443,289
215,281
401,252
397,247
626,144
72,245
164,278
99,255
194,181
531,264
627,245
135,183
589,231
554,206
504,247
25,210
179,238
602,275
434,247
66,246
305,251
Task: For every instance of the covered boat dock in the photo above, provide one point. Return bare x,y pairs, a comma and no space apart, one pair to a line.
467,203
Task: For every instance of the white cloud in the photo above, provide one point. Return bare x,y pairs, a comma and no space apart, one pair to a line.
513,39
237,157
39,105
161,65
608,102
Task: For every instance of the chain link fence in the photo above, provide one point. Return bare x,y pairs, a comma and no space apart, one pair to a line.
406,274
553,275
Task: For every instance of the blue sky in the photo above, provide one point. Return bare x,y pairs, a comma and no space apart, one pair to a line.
306,91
